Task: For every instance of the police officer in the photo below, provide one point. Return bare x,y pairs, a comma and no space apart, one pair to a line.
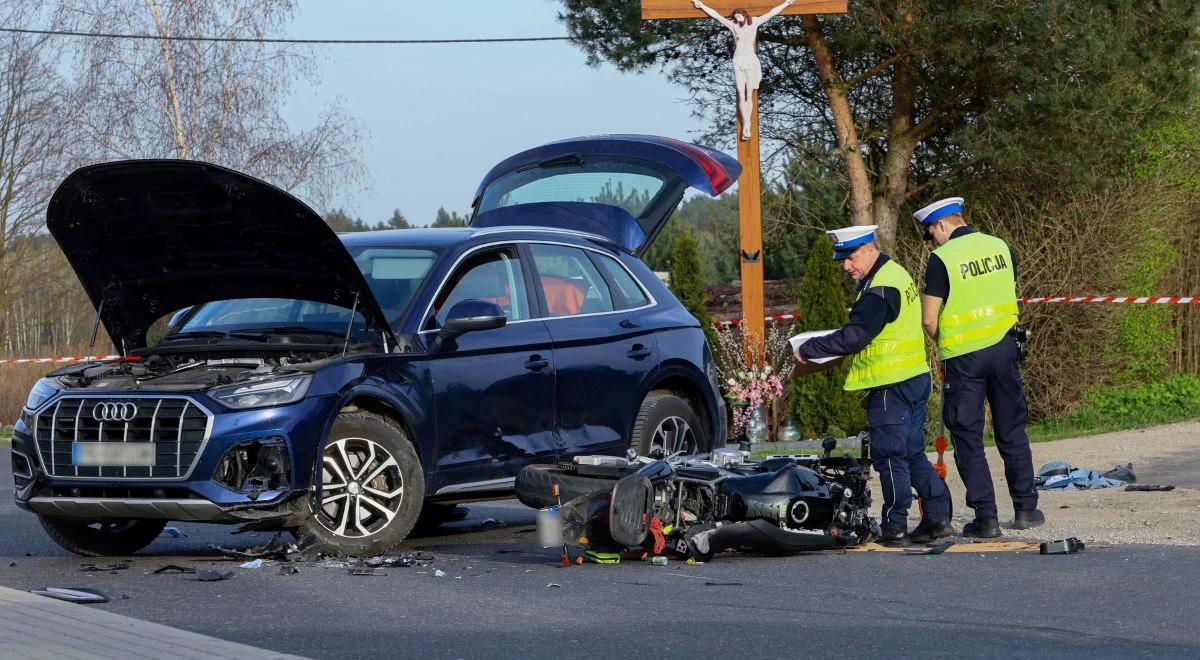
883,337
969,306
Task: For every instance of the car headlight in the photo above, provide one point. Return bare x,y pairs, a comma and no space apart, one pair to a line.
41,392
258,394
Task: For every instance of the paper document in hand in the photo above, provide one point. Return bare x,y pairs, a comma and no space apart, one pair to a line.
811,334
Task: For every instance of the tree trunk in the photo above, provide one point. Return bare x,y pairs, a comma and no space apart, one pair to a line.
847,133
893,177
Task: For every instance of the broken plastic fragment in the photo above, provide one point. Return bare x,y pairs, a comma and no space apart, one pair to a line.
257,563
366,570
173,568
92,568
212,576
72,594
554,585
487,524
439,573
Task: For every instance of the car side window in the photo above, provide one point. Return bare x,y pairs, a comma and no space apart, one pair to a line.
628,293
494,276
570,282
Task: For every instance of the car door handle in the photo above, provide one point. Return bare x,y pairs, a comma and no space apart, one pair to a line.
536,363
639,352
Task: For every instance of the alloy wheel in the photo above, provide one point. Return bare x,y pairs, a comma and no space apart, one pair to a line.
673,435
362,488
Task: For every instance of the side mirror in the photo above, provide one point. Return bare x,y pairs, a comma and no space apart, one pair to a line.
469,315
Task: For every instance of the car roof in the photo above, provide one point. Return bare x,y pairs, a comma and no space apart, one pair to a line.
445,237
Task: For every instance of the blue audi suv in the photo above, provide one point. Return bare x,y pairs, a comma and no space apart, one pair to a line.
275,374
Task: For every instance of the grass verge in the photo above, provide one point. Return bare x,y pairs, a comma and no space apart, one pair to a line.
1105,410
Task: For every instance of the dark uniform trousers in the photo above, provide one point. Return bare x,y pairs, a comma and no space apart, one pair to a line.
990,373
896,416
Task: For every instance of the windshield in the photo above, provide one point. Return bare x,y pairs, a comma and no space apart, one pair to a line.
393,274
623,182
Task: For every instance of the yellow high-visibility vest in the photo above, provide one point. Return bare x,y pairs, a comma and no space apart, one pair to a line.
983,294
897,353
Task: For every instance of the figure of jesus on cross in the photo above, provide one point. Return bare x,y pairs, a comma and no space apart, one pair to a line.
747,76
747,70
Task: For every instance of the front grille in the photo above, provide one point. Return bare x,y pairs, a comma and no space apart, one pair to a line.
177,426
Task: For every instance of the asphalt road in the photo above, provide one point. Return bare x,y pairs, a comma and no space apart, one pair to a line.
496,599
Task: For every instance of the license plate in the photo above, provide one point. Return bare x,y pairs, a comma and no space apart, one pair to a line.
113,454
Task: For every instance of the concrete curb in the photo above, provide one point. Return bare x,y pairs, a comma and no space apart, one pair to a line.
39,627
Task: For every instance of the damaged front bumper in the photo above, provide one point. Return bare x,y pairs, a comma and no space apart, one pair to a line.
256,467
288,510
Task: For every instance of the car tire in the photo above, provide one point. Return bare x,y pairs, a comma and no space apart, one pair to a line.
103,538
667,419
534,485
373,488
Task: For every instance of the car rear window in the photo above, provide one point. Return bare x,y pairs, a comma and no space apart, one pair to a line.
628,293
622,182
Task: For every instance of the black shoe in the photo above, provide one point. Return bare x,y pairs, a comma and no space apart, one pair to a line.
982,528
931,529
1029,519
892,536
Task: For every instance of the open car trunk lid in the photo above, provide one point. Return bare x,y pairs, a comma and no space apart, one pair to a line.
149,237
623,187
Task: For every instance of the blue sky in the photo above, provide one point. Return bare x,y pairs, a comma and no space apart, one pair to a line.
437,117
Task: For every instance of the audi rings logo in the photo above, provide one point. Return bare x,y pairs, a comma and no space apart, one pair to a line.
114,411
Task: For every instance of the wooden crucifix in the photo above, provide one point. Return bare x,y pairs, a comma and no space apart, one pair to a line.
743,17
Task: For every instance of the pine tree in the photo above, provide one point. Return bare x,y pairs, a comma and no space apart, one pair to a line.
688,286
448,219
397,221
818,403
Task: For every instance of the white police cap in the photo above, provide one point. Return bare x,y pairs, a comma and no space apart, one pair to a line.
939,209
847,239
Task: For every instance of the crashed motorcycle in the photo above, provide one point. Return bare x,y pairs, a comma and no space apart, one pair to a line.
697,506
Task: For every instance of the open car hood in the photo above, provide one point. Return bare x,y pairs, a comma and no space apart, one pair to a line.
643,176
149,237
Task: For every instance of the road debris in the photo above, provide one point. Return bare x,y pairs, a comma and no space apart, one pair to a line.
173,532
285,569
72,594
554,585
400,561
257,563
206,575
935,549
439,573
490,523
1150,488
108,568
1060,475
366,570
174,568
1064,547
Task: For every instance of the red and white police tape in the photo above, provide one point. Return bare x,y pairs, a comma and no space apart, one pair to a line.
1132,300
774,318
